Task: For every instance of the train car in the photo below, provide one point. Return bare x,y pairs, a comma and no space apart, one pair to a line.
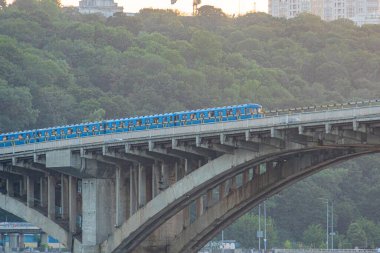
176,119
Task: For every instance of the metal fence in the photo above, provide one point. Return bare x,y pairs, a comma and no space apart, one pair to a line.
325,251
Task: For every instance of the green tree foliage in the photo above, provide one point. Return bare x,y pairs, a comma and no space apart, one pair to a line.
16,107
357,235
314,236
244,231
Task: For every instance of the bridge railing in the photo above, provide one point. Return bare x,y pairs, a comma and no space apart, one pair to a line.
325,250
327,107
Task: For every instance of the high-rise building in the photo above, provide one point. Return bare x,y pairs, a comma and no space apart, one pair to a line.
328,9
104,7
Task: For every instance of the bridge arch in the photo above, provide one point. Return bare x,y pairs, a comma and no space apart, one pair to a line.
238,203
31,215
171,201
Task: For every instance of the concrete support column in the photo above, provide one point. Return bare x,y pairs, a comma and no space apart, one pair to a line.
199,206
23,186
51,197
133,183
209,198
245,176
10,189
13,240
21,240
222,190
43,192
186,164
149,185
44,240
121,199
233,184
98,199
142,186
186,217
73,204
164,180
29,191
65,196
155,180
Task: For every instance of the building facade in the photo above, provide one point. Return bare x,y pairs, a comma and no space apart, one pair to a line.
104,7
360,11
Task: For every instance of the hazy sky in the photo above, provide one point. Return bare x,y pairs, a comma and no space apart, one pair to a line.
228,6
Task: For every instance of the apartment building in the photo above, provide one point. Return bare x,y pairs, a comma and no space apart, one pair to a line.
366,11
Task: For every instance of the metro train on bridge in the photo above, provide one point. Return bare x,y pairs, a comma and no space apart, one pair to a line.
176,119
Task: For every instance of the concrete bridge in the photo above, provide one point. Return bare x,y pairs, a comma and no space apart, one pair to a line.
172,190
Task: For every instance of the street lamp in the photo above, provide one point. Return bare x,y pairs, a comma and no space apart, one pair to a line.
265,227
222,241
327,222
259,232
332,225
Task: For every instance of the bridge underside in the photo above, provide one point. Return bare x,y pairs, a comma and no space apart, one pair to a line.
144,192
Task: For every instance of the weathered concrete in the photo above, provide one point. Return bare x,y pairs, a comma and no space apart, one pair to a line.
98,195
19,209
243,199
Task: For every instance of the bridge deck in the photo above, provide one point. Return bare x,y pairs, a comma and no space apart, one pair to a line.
359,114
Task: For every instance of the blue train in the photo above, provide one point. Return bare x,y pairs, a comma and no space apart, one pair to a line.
176,119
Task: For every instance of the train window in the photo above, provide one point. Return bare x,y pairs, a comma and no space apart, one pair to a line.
220,114
155,120
202,115
176,117
54,132
20,137
113,126
184,117
211,114
85,129
138,122
193,116
147,121
238,112
165,119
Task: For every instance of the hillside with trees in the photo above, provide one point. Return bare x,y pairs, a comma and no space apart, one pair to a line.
60,67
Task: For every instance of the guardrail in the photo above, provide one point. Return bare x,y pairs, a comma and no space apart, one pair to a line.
325,250
327,107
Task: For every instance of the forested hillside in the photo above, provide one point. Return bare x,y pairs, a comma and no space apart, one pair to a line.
58,66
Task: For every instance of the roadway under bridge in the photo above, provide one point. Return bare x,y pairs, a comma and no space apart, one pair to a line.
172,190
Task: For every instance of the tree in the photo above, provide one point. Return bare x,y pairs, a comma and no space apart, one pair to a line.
210,11
245,228
357,235
3,4
17,112
314,236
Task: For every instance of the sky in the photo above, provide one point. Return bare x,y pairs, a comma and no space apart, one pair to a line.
228,6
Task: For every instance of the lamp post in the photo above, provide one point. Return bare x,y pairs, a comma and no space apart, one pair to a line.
265,228
222,241
259,232
332,225
327,221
